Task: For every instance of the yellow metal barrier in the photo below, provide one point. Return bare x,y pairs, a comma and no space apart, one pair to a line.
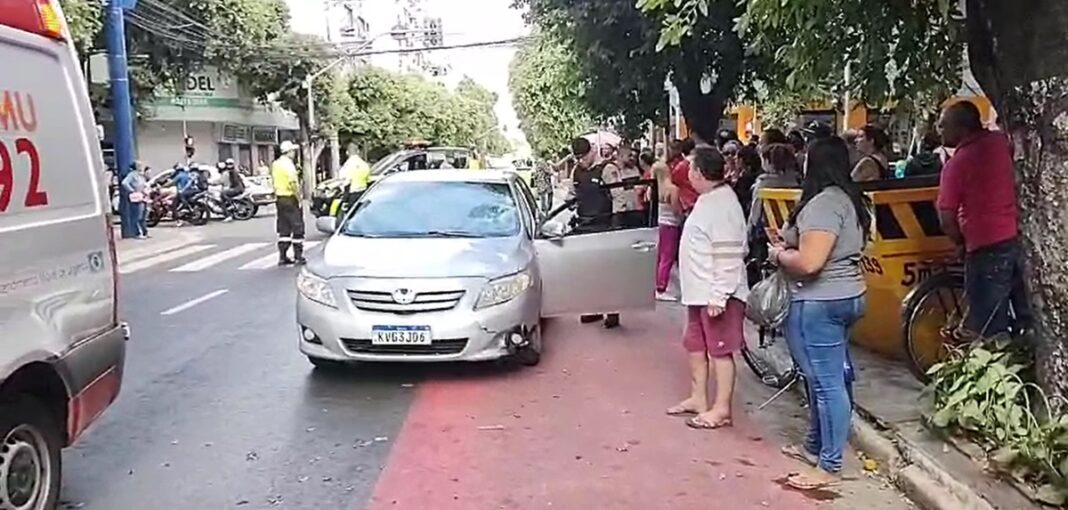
907,246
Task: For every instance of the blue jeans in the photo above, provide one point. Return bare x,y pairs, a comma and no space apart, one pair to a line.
818,335
139,214
993,279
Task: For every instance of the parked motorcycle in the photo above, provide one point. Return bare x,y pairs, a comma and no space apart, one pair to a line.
196,212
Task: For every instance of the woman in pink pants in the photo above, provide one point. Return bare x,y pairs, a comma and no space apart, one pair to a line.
670,226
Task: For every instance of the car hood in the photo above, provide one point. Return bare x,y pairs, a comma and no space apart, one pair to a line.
421,258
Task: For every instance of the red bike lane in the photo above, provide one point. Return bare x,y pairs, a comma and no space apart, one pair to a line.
585,429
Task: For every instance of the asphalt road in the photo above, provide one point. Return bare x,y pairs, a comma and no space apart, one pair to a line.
220,410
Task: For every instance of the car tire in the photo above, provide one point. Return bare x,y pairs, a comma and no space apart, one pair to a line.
327,365
528,357
29,434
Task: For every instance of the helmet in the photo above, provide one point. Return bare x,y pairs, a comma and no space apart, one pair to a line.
221,166
230,163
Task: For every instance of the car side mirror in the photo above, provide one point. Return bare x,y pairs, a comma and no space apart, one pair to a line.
552,230
326,224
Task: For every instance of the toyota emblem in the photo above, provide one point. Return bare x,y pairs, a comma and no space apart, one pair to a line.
403,296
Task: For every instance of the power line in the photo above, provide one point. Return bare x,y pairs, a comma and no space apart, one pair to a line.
158,17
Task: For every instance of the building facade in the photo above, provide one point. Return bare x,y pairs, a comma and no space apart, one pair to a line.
220,119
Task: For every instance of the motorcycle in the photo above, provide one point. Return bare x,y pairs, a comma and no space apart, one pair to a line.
161,207
240,208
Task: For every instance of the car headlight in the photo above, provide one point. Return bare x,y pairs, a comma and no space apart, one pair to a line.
503,290
315,289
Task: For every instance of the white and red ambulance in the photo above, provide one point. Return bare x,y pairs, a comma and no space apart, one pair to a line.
62,345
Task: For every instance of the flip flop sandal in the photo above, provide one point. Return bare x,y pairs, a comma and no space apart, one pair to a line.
798,454
699,423
810,486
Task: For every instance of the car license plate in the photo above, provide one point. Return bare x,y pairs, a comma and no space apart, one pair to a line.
400,335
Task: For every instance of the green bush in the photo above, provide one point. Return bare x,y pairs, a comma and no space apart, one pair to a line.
985,393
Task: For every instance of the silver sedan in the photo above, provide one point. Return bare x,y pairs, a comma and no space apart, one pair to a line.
458,265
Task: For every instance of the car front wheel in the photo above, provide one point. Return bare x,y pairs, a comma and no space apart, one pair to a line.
30,445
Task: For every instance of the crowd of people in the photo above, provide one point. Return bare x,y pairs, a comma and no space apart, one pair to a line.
712,225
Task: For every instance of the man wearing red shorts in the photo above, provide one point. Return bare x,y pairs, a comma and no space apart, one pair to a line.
714,289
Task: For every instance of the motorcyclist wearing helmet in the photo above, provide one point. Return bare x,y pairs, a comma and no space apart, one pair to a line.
185,184
233,184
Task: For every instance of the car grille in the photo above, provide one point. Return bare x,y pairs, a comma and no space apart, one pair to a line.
436,348
424,301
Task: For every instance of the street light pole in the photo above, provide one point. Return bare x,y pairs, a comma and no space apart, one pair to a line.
309,84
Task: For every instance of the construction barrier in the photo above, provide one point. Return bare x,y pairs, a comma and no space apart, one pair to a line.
907,246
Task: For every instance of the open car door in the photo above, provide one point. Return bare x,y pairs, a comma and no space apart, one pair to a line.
597,272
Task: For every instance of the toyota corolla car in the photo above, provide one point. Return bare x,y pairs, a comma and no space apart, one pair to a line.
456,265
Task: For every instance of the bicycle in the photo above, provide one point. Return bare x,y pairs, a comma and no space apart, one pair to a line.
932,313
757,360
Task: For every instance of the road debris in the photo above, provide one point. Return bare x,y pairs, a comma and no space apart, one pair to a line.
252,456
491,427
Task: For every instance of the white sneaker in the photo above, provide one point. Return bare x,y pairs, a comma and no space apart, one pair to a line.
664,296
228,219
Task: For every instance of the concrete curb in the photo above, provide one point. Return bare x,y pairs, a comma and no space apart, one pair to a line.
919,476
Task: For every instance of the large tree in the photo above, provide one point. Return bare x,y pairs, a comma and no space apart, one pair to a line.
1018,52
547,92
615,46
389,109
897,53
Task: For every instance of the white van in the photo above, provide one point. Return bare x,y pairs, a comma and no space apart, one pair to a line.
62,345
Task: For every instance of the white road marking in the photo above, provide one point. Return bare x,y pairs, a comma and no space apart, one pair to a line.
194,302
206,262
270,260
162,258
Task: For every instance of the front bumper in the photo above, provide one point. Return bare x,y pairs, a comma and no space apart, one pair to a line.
459,334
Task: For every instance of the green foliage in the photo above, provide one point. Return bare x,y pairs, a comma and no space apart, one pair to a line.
389,109
981,392
615,48
85,20
548,95
905,52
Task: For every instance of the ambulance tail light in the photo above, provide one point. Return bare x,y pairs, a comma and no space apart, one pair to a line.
41,17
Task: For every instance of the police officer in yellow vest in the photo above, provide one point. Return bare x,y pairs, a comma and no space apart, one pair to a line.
290,217
357,173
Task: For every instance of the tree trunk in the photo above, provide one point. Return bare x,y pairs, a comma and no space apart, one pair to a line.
723,65
1019,54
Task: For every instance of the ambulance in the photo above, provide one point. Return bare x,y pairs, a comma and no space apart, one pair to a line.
62,345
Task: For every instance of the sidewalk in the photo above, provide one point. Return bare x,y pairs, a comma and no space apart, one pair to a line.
586,430
936,473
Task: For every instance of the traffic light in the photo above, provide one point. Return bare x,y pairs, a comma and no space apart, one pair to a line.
435,37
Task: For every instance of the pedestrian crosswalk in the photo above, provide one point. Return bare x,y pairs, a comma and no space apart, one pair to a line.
217,258
197,258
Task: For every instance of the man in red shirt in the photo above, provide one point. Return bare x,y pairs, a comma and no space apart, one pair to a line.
679,161
978,211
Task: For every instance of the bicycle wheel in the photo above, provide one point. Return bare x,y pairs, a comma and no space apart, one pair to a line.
759,361
928,315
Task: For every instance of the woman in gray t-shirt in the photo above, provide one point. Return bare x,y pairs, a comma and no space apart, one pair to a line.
824,240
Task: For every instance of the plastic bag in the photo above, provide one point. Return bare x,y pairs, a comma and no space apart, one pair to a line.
769,301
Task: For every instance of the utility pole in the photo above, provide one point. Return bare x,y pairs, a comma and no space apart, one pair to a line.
121,107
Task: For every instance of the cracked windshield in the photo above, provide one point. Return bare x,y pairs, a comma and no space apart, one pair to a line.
530,254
